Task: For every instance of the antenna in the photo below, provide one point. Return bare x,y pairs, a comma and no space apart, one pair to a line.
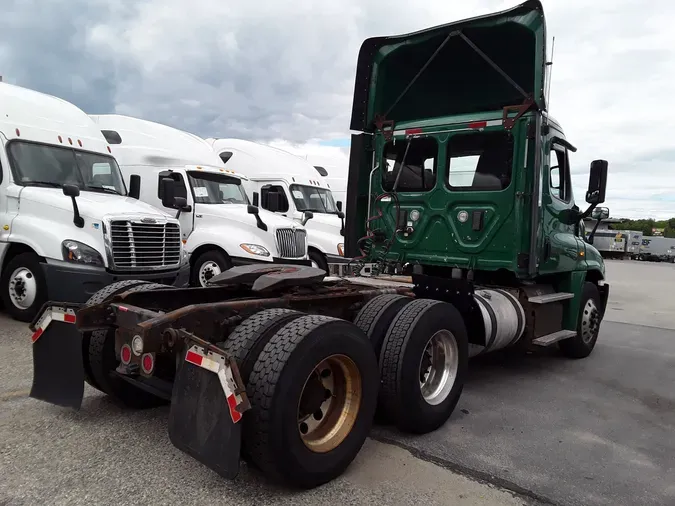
549,65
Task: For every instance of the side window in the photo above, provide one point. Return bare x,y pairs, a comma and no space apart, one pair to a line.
559,174
480,161
180,189
419,170
265,193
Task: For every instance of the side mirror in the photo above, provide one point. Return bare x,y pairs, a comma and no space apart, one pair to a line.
168,192
273,202
600,213
256,199
339,205
135,186
252,209
181,203
307,215
71,190
597,182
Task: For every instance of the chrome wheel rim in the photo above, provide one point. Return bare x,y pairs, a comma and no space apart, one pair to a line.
590,321
438,367
22,288
329,403
207,271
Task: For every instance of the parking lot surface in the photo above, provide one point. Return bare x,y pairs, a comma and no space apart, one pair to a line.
533,429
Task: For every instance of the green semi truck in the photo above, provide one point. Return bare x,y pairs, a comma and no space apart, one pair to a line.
465,239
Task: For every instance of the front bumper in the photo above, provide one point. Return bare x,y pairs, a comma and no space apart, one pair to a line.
69,282
237,261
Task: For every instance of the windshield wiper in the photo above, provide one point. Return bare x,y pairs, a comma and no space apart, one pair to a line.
103,189
51,184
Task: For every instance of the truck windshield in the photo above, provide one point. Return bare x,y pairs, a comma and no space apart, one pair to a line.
53,166
310,198
212,188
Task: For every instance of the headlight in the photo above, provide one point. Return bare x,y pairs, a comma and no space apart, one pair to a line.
341,249
255,249
77,252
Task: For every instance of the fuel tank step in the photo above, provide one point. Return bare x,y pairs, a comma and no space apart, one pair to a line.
550,339
550,297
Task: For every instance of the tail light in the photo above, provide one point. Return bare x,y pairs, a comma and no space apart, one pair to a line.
125,354
148,363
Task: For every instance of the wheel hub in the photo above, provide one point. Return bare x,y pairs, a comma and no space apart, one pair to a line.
22,288
438,367
590,321
329,403
207,271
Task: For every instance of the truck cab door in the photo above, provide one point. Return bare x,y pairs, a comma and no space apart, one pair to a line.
560,242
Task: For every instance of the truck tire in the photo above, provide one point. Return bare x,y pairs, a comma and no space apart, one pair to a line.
24,287
246,341
103,360
588,324
101,296
318,260
207,265
423,365
376,315
313,391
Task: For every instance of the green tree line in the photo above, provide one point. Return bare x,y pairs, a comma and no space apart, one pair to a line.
646,226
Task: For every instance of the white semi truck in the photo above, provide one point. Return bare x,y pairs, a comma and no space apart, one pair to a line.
68,225
220,227
287,184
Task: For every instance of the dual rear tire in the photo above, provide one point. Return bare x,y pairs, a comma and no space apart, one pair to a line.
422,347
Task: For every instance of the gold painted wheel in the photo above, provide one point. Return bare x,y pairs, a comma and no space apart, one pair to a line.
329,403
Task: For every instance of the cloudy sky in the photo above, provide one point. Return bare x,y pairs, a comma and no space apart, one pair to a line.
264,71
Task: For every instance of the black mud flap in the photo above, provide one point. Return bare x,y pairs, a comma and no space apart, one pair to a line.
201,422
58,372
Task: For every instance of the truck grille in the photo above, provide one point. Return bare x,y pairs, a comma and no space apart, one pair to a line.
137,245
292,243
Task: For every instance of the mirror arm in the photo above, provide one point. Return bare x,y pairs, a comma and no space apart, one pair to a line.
77,219
592,234
588,212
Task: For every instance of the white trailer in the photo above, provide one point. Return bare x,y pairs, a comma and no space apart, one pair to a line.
66,218
288,184
657,249
220,227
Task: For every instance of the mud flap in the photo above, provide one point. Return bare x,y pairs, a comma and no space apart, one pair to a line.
206,408
58,372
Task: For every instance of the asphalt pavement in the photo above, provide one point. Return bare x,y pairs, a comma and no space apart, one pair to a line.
529,429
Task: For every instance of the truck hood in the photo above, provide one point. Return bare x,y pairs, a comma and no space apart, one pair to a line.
457,79
90,204
329,223
239,213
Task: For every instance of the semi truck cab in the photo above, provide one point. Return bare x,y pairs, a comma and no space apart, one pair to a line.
289,185
220,227
68,226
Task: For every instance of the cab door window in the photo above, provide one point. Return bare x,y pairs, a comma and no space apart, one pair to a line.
559,181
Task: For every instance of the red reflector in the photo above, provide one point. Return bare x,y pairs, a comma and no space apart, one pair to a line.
232,403
194,358
478,124
125,354
60,139
69,318
18,133
109,150
148,363
70,140
413,131
123,309
79,142
36,335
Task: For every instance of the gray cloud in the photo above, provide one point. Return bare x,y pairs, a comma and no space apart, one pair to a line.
262,71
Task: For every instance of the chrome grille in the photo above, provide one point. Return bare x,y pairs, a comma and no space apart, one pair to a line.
137,245
292,243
